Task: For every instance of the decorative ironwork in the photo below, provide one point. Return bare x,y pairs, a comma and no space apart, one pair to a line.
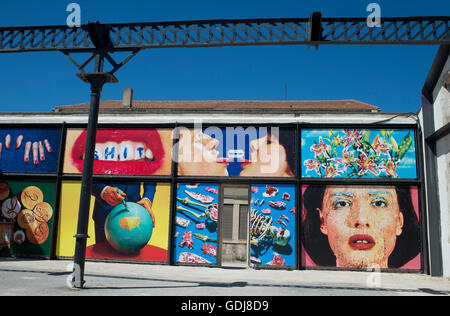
136,36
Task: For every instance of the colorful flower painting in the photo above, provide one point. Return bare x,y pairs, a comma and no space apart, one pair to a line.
359,153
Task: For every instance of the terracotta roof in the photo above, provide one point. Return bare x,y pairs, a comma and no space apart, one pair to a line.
339,105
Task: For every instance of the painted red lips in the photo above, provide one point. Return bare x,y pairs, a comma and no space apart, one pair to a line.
145,161
361,242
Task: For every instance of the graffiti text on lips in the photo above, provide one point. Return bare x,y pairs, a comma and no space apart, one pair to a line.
125,151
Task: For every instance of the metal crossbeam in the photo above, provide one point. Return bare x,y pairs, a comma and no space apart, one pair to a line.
208,33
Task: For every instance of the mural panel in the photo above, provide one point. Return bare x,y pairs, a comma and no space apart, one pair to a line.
352,153
133,151
129,221
237,151
272,225
197,215
26,219
29,150
361,227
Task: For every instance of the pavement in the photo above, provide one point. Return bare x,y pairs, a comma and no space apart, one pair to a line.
22,277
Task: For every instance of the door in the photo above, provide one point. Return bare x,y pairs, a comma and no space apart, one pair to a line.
234,226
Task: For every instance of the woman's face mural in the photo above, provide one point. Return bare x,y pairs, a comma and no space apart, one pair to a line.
250,152
198,155
362,224
268,158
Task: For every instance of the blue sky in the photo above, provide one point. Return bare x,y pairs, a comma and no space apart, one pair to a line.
387,76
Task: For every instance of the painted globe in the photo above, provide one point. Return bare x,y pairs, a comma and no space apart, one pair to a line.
129,228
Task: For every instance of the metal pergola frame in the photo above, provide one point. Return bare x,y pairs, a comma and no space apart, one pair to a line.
209,33
103,40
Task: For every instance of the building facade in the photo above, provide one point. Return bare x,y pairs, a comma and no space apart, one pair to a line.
265,184
434,118
287,185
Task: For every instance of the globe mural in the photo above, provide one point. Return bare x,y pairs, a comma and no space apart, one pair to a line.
129,228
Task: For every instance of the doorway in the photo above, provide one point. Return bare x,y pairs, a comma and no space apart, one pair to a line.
234,226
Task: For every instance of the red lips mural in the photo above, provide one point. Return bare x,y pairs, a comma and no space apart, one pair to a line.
122,151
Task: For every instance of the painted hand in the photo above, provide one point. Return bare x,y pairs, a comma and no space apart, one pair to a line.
112,197
148,206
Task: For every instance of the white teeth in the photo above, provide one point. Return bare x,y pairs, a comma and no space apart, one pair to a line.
139,152
125,151
362,242
99,152
111,152
149,154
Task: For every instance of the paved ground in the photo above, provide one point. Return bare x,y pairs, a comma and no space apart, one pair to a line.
49,278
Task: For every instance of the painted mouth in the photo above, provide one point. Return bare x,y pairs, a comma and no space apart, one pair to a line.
122,151
224,160
361,242
244,162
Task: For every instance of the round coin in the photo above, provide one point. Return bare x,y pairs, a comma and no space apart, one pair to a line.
26,219
39,234
43,212
31,196
4,191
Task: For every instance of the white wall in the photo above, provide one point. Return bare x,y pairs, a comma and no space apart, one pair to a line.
442,117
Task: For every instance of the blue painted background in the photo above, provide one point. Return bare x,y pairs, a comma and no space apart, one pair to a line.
265,252
211,227
12,160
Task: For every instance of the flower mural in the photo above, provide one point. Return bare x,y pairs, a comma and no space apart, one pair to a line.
352,153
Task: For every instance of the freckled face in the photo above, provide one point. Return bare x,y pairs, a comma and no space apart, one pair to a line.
362,224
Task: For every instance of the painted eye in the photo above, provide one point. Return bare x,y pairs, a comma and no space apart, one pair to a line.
379,203
341,204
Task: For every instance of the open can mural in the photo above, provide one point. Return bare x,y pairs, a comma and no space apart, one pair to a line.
361,226
27,211
272,225
197,216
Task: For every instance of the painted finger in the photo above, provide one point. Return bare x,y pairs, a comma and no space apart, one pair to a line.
19,141
47,145
41,151
120,193
36,153
26,157
8,141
